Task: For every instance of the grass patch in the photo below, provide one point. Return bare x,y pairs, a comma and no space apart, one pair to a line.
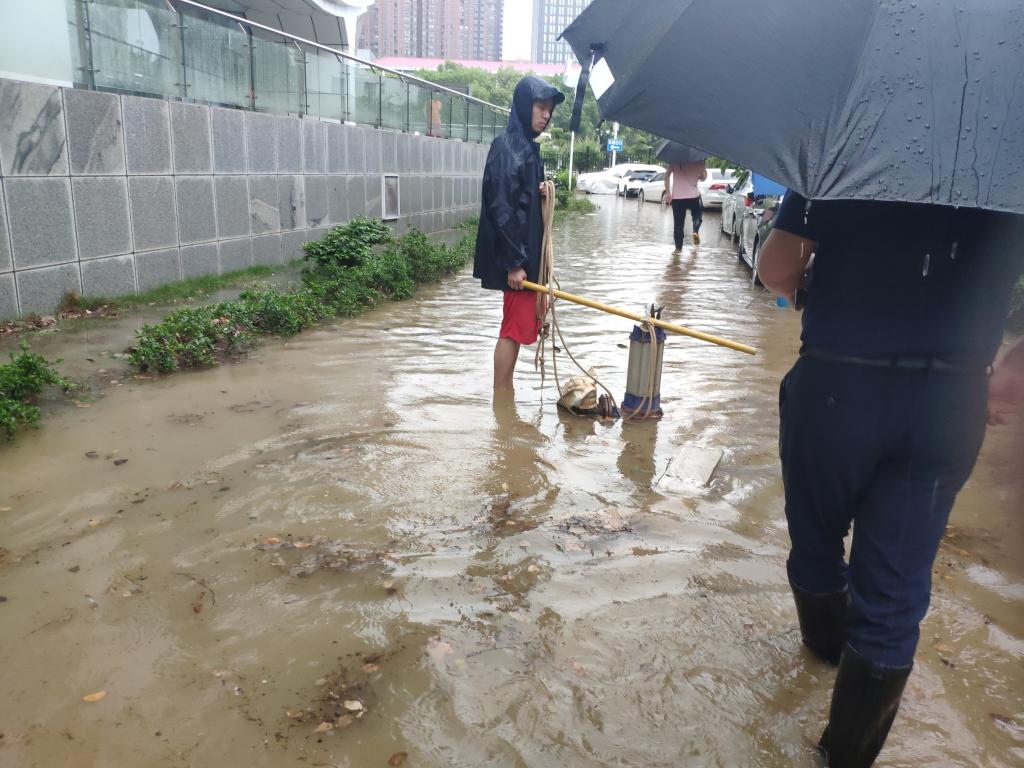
355,266
567,204
22,381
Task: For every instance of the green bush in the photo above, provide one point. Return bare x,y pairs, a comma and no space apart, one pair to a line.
21,382
335,284
349,244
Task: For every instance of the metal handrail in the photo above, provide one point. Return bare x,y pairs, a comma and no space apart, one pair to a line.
403,76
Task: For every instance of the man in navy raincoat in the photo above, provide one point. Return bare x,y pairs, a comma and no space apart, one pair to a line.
508,243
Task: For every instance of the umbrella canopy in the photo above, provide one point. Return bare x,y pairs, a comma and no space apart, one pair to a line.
846,99
674,152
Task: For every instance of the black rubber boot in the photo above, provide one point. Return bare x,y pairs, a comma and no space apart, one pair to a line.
864,704
822,622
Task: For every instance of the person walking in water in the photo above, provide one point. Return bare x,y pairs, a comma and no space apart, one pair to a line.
511,229
682,194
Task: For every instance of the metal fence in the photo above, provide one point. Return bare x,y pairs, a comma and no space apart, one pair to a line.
586,160
172,49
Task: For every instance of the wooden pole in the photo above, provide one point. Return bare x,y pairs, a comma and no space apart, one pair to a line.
640,319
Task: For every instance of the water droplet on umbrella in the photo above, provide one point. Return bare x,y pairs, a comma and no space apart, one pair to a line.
952,250
927,263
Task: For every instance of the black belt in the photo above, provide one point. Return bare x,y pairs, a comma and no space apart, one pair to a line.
906,363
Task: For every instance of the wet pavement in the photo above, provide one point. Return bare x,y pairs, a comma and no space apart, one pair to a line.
340,552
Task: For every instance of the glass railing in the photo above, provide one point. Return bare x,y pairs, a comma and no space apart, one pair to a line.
172,49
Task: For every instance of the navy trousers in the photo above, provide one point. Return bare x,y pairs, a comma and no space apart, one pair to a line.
886,449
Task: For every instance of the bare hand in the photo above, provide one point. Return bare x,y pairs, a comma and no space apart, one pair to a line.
515,279
543,189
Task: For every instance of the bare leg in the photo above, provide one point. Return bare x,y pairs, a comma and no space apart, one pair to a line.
506,352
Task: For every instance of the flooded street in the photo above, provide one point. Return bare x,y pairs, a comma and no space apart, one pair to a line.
339,552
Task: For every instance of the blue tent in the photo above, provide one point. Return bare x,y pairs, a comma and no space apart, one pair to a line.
763,186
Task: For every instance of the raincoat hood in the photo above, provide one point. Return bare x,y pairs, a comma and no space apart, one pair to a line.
529,90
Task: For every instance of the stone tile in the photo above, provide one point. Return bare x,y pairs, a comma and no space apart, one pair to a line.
337,199
388,151
266,249
261,142
32,138
356,196
8,297
101,216
291,202
95,139
371,143
190,138
196,220
40,290
289,145
314,146
264,214
316,200
198,260
6,264
36,240
154,223
228,128
356,148
232,195
337,147
235,254
147,135
156,268
114,276
291,245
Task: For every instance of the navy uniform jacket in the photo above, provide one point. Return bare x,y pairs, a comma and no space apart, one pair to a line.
511,228
906,279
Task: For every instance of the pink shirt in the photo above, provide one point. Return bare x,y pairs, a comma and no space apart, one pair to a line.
684,179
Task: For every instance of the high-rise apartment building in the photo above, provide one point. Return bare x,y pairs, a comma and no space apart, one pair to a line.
550,17
450,29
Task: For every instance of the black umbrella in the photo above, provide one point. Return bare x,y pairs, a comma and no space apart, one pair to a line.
867,99
674,152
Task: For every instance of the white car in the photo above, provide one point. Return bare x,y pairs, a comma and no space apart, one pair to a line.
653,190
734,204
606,182
629,185
714,190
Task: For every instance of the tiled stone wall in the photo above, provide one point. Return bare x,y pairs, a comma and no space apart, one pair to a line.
106,195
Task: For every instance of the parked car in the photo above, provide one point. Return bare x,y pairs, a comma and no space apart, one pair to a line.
734,203
757,224
606,182
629,185
653,189
715,188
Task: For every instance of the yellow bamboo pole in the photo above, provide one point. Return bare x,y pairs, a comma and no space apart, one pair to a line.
640,319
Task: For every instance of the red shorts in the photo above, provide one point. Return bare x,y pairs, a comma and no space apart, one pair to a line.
519,321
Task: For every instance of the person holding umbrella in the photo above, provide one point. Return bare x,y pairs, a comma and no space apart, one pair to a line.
682,194
511,229
904,232
882,418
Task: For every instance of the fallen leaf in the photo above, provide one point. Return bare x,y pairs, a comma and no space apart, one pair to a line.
323,728
272,540
345,721
370,668
94,697
397,759
533,568
293,714
942,648
93,523
6,509
302,544
353,706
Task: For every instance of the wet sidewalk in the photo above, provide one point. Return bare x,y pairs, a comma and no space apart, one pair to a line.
340,552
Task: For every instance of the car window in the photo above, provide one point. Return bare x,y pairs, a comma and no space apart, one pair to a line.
714,174
658,177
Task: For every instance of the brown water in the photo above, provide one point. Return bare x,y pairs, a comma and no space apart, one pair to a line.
347,517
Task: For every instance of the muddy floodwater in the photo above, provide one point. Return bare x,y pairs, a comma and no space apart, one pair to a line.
340,552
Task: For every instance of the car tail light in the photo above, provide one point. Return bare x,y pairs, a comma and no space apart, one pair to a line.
717,186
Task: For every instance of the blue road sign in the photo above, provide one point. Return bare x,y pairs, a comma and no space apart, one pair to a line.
614,145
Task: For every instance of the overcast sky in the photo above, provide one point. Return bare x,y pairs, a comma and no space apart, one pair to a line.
516,33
